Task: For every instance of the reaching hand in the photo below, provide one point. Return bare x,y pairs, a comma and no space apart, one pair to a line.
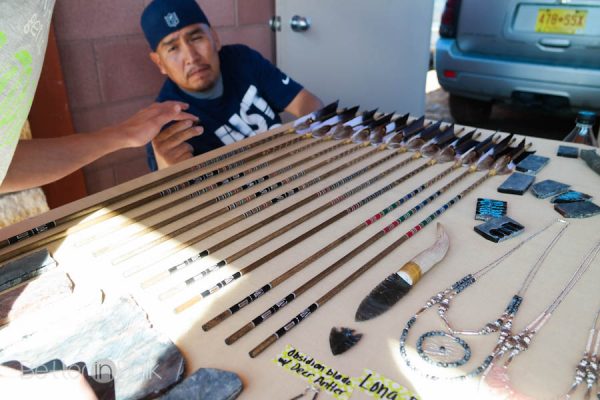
57,157
170,146
144,125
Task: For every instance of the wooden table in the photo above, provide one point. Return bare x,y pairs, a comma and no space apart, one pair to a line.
544,371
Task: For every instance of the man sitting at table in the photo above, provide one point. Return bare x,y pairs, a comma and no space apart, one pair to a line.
234,91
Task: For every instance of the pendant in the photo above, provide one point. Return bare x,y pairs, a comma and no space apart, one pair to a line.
443,349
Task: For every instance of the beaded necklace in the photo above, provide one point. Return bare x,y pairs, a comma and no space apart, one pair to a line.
496,375
439,347
587,368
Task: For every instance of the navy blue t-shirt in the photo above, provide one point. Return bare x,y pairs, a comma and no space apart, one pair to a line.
254,93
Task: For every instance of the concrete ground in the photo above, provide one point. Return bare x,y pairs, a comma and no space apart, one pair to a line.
504,118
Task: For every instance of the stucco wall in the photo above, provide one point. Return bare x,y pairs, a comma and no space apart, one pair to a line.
108,73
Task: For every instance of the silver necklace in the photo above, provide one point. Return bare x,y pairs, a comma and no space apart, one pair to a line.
587,369
440,347
496,375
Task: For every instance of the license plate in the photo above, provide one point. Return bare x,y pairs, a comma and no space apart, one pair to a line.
561,20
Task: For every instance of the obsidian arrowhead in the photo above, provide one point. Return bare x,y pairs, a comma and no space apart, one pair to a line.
342,339
382,297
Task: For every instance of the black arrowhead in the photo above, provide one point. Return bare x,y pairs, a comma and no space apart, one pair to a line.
342,339
384,296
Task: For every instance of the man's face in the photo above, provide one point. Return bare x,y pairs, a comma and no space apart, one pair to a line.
190,57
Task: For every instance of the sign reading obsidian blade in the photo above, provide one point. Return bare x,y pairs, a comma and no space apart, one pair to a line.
336,383
316,373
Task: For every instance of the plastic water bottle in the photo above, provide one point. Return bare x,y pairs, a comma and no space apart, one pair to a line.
584,129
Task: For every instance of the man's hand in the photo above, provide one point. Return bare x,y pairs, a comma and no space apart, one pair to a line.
170,146
144,125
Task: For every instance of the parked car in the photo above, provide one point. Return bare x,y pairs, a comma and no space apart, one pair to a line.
542,53
438,8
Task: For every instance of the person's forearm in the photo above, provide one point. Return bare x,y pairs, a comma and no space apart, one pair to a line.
40,161
305,102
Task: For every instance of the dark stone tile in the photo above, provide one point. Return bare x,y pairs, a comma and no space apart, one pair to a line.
517,183
532,164
580,209
548,188
568,151
570,197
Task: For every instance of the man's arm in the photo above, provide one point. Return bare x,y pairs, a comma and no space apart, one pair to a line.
40,161
305,102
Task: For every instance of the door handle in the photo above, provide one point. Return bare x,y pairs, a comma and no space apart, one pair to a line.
275,23
300,24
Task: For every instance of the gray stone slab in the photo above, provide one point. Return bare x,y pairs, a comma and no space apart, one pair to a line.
207,384
113,338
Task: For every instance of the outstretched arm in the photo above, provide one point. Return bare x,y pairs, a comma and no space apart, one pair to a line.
37,162
305,102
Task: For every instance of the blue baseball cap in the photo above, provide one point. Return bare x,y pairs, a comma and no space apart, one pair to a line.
163,17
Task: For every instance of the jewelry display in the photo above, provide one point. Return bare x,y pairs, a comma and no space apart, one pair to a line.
496,375
446,349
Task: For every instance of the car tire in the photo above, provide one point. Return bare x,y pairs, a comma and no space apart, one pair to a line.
469,111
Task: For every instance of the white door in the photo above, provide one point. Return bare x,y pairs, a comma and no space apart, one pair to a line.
372,53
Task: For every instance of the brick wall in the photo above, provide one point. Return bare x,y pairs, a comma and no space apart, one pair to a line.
109,75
